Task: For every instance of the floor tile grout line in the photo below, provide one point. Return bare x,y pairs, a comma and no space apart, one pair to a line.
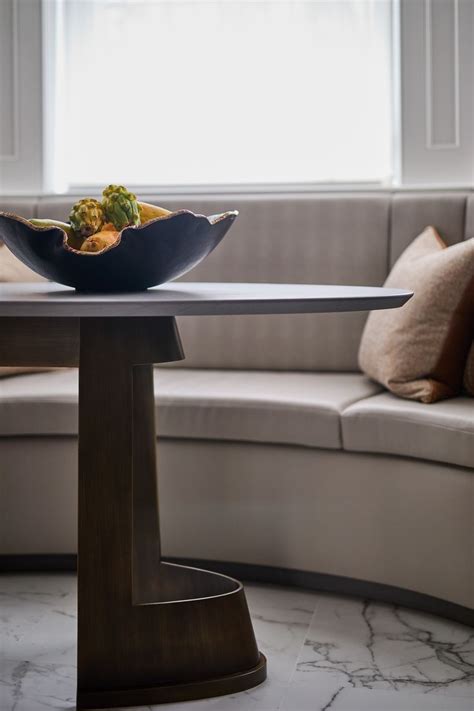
293,672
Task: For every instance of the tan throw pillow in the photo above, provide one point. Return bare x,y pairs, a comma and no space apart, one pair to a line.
11,269
419,351
469,372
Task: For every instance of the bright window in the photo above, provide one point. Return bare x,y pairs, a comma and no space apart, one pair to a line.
168,92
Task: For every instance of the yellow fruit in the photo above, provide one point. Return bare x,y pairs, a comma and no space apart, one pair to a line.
101,240
150,212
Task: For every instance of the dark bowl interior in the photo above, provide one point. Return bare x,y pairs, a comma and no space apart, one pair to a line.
144,256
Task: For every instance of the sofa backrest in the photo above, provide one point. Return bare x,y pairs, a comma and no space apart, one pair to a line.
329,239
340,238
411,213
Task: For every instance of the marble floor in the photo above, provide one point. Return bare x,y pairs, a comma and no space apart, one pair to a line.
324,652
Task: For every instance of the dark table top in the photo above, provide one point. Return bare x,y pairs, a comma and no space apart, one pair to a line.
193,299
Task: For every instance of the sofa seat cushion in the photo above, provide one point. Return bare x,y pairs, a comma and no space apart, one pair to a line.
258,406
442,431
291,408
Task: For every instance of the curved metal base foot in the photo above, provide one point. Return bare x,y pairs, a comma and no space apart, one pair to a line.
173,693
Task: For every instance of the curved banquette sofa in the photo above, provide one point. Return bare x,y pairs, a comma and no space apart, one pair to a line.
278,460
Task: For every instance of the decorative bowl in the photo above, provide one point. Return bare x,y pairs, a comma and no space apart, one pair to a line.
143,256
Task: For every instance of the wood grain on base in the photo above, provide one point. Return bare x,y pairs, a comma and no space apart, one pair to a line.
148,631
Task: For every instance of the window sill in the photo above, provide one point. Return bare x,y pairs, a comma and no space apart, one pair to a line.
295,190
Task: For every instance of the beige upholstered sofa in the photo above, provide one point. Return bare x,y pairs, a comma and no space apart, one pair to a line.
277,458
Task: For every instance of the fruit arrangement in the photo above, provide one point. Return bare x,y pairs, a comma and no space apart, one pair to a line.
137,245
95,225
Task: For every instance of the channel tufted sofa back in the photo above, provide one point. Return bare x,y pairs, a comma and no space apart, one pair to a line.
330,239
345,238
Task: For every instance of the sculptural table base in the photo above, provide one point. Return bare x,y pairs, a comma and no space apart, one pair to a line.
169,693
148,632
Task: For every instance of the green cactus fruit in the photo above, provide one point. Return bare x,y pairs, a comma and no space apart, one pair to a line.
87,217
120,207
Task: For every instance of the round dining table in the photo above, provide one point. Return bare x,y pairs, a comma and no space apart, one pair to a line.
149,631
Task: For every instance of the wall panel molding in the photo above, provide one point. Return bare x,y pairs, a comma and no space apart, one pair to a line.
10,107
22,155
437,75
442,90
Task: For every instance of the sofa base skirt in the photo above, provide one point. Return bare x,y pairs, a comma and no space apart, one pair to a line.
311,516
248,573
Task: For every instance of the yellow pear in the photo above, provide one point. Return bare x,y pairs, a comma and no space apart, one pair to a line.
150,212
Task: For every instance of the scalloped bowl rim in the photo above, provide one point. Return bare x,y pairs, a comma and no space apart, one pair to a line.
46,228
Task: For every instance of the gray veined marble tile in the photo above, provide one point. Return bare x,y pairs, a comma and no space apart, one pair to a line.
323,651
357,645
38,671
324,694
369,700
38,651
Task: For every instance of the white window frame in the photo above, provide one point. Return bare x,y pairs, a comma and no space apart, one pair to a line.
21,165
420,27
